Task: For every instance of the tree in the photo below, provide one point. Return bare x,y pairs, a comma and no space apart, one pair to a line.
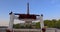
54,22
16,26
50,23
46,22
57,25
38,25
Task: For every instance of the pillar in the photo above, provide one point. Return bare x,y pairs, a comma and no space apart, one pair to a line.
41,22
11,21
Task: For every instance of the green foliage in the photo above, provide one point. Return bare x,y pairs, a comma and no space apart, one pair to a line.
27,26
49,23
46,22
38,25
16,26
57,25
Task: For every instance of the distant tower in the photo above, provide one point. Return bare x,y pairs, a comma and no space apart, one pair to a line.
28,22
28,8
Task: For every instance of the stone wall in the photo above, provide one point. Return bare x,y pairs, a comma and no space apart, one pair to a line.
27,30
32,30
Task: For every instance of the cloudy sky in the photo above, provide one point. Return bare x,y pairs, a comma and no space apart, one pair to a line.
49,8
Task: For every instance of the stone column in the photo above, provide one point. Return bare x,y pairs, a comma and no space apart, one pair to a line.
41,22
11,21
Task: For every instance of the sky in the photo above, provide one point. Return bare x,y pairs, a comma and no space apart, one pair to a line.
49,8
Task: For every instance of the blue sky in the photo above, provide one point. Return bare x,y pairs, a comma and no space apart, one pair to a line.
49,8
